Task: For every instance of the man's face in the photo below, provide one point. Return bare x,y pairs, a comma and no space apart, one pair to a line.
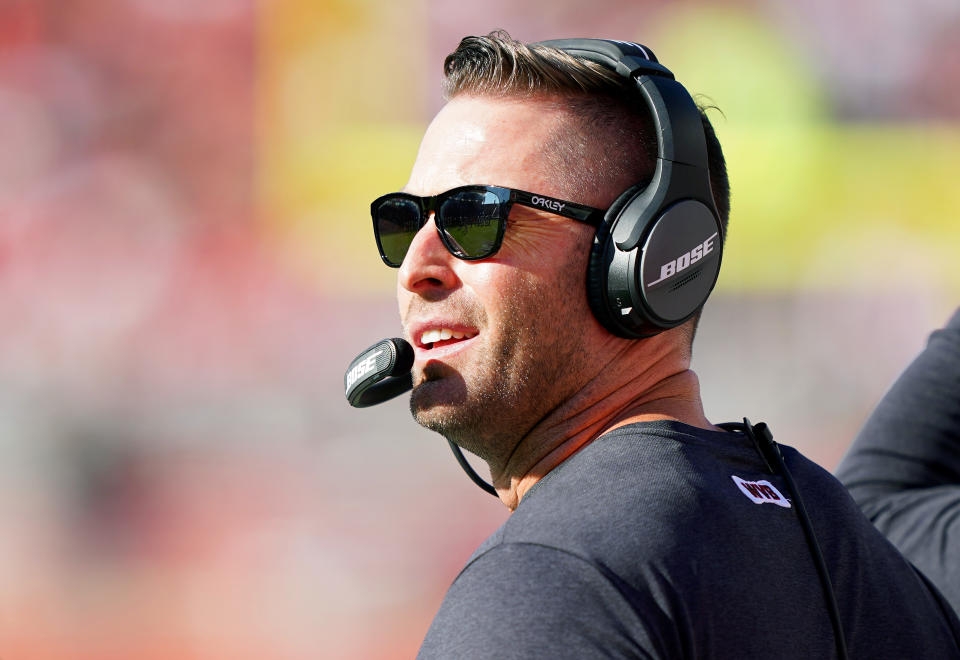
518,337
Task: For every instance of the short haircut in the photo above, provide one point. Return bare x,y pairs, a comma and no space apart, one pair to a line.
617,130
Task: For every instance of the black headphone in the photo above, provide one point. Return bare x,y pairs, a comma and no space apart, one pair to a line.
656,255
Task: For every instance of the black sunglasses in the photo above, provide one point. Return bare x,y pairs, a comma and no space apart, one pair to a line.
470,219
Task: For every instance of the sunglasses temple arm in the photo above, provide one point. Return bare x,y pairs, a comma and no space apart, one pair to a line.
579,212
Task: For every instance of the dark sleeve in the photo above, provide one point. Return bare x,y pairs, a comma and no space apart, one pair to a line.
903,469
522,600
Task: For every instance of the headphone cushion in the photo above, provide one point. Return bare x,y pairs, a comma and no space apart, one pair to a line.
597,268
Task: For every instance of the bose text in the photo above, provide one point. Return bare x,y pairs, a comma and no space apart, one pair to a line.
685,260
362,369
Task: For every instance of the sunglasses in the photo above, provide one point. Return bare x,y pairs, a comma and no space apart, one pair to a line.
470,220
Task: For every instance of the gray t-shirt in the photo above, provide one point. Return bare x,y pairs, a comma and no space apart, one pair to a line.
661,540
904,467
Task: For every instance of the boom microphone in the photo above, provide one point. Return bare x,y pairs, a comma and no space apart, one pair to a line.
379,373
382,372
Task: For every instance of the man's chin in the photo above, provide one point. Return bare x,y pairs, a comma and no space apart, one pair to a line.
437,385
436,400
441,406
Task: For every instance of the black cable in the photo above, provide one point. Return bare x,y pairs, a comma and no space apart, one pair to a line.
477,479
770,450
738,426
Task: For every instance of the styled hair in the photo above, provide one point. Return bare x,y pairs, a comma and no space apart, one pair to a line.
617,137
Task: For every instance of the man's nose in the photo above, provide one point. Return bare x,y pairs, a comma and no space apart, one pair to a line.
428,265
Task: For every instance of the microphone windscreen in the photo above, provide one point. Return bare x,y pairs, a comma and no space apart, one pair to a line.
404,360
379,373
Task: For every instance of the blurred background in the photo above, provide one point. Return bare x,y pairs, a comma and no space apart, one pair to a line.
186,268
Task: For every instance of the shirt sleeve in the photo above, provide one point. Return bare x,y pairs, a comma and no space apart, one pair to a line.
522,600
903,469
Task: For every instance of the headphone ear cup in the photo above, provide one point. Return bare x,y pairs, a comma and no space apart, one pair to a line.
602,254
597,278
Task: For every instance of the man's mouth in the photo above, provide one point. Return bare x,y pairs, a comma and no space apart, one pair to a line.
439,337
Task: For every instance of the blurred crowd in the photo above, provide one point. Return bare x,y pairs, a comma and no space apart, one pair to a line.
181,475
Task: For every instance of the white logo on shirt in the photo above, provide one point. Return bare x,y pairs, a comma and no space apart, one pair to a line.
761,492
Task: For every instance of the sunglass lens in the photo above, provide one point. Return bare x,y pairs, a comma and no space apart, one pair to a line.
397,221
472,223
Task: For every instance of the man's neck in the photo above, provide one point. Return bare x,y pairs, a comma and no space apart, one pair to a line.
665,390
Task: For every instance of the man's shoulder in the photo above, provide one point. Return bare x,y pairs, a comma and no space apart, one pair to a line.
653,490
648,534
656,468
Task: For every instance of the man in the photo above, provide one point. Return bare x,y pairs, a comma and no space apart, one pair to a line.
639,529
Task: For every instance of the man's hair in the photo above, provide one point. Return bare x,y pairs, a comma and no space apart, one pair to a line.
616,140
617,137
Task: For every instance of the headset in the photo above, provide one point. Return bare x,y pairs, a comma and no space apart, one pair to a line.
656,256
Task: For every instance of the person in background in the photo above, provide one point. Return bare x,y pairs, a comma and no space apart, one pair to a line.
903,469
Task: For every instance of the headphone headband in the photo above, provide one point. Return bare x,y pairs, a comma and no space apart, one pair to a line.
624,57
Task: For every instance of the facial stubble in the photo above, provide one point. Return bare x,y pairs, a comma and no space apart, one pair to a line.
534,363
